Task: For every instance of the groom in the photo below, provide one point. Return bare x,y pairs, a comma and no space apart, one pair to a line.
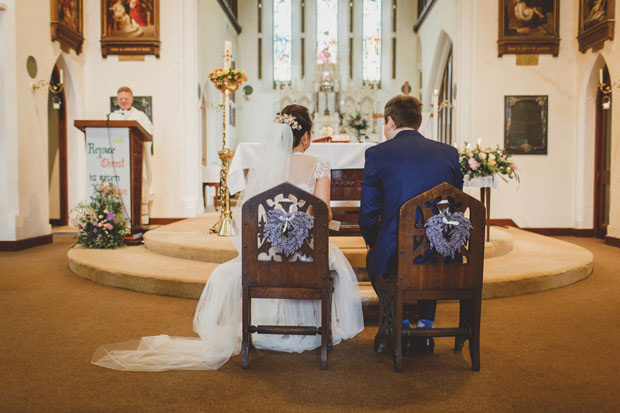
404,166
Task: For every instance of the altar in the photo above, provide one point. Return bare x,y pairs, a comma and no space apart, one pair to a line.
347,170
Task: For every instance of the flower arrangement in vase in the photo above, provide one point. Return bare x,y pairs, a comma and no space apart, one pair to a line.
359,123
480,162
101,222
227,78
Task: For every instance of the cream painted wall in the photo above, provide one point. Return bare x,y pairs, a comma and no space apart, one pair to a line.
31,128
552,185
255,115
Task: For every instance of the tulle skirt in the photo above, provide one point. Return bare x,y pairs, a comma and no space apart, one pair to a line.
218,323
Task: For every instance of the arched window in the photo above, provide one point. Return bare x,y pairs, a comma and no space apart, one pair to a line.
327,31
371,53
444,132
282,38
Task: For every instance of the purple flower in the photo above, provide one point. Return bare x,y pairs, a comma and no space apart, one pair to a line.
95,230
110,216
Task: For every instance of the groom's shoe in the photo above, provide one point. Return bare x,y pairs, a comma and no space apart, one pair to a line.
425,345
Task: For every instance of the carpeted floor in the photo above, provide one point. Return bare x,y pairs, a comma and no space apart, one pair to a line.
553,350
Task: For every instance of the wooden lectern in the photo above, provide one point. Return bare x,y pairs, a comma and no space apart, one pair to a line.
105,130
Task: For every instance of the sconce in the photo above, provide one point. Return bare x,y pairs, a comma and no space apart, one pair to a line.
57,88
445,104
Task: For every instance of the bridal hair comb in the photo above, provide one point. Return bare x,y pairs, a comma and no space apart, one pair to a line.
287,120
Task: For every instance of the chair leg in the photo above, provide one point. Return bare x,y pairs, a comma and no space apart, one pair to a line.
474,341
325,327
459,341
245,349
397,324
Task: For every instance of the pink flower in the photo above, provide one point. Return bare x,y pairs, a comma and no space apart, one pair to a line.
473,163
483,155
108,226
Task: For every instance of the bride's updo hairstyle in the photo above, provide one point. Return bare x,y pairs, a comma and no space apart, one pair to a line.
302,116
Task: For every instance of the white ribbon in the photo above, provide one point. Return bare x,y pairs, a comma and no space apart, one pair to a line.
445,221
287,220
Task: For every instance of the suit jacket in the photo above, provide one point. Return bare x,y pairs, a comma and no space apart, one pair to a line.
396,171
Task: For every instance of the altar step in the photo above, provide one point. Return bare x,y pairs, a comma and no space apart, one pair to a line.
526,263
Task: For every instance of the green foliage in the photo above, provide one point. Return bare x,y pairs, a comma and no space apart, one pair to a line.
101,222
478,162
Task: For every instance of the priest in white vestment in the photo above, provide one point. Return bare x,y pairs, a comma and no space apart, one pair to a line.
124,99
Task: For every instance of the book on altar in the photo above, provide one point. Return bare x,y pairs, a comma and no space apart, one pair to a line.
334,225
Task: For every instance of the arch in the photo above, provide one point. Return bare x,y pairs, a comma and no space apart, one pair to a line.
584,162
442,51
76,150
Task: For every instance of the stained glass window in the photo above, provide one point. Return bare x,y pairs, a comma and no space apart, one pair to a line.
371,26
326,31
282,40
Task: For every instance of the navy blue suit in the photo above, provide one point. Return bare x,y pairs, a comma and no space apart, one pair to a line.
396,171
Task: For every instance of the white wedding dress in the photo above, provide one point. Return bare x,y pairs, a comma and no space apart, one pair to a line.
218,315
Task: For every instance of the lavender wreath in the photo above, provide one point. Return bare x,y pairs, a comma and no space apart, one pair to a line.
448,232
287,231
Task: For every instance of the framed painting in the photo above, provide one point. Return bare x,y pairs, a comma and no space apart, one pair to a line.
130,27
596,23
143,103
67,24
529,27
525,124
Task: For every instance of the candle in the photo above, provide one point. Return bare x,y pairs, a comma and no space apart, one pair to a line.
435,92
479,142
227,54
600,76
62,77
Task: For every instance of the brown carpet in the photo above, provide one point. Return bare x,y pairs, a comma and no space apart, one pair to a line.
554,350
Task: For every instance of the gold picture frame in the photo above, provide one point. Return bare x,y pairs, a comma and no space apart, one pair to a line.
67,24
130,27
596,23
527,27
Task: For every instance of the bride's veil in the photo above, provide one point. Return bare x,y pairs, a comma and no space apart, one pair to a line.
218,314
271,167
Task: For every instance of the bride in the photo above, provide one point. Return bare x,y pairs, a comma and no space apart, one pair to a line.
218,314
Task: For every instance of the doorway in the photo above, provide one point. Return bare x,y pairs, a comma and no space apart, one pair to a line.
602,158
57,154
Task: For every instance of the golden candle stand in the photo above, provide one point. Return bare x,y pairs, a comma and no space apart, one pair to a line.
223,227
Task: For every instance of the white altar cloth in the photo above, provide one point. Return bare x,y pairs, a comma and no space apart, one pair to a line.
339,155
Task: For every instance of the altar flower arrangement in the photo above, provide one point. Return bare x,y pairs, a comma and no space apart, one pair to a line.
100,222
220,75
359,123
481,162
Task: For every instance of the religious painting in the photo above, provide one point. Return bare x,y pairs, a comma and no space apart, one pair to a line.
525,124
529,27
143,103
596,23
130,27
67,24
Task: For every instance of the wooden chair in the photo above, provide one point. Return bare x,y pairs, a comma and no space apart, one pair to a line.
425,275
267,274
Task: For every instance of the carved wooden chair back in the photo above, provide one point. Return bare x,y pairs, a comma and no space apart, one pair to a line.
423,274
267,273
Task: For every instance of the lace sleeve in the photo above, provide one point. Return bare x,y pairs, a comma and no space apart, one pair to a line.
322,169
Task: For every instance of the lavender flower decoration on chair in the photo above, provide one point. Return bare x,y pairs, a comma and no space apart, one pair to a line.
448,232
287,231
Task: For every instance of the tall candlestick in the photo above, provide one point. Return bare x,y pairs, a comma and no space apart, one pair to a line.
227,54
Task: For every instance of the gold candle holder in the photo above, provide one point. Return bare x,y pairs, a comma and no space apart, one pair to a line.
223,227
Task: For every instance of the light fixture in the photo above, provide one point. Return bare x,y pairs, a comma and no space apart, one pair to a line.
606,103
55,102
57,88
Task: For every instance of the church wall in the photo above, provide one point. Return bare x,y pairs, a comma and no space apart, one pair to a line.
31,115
9,201
162,78
255,114
547,194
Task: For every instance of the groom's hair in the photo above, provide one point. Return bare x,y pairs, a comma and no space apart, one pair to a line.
406,111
